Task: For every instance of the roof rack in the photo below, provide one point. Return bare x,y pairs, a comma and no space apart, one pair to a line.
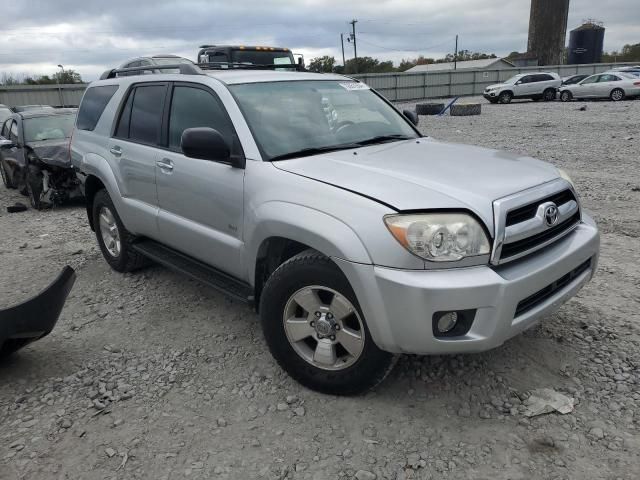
249,66
184,68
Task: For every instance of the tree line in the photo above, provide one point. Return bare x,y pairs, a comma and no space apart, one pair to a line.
328,64
61,77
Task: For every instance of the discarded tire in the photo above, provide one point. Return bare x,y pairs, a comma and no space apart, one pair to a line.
16,207
429,108
466,109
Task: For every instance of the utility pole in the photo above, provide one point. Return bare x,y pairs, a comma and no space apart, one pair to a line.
59,87
355,47
455,56
342,43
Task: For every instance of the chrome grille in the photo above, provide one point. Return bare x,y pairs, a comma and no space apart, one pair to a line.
521,226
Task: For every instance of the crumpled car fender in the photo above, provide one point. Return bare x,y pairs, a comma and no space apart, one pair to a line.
35,318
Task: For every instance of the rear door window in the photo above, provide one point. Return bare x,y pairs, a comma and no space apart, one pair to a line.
93,104
146,113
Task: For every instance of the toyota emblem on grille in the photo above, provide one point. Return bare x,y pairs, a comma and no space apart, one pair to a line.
551,215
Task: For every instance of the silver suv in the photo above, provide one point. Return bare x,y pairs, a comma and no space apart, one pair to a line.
313,198
536,86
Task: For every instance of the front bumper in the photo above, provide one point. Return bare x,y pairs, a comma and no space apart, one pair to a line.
490,95
399,304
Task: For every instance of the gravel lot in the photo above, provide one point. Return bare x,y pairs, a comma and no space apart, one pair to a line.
154,376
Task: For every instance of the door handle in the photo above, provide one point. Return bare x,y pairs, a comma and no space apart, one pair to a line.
165,165
116,151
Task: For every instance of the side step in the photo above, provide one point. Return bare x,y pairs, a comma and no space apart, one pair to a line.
195,269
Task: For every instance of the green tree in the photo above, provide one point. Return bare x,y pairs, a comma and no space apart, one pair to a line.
629,53
368,65
324,64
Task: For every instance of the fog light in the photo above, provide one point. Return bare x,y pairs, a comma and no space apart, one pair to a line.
447,322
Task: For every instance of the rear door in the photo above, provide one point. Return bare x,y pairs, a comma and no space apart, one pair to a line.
606,83
201,202
134,147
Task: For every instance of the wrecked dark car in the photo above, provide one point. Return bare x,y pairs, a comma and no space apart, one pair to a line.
35,318
34,156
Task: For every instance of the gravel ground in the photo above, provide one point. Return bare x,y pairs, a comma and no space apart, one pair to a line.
154,376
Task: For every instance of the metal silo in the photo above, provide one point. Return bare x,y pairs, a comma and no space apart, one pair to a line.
548,30
585,44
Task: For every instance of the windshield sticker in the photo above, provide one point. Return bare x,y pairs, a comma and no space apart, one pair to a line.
354,86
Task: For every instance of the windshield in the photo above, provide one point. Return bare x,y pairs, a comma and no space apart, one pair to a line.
171,60
55,127
513,79
290,117
260,57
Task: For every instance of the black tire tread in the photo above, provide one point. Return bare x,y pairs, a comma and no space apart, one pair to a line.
381,364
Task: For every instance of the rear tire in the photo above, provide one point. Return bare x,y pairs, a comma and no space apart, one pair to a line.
313,352
549,95
505,97
113,239
566,96
617,94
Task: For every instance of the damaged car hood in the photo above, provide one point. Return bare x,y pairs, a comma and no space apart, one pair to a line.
52,152
426,174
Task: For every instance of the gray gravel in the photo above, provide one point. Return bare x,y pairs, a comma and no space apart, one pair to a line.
154,376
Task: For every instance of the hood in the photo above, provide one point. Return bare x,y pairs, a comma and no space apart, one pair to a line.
495,85
426,174
52,152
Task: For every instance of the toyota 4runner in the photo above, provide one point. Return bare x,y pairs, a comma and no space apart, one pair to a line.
311,196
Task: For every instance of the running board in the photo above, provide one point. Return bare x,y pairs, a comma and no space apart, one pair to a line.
195,269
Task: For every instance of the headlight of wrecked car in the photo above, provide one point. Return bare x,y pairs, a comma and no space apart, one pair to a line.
439,237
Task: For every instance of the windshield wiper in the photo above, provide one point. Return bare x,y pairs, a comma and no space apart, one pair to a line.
383,139
314,151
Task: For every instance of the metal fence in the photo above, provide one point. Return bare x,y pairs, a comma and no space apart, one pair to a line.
394,86
54,95
415,86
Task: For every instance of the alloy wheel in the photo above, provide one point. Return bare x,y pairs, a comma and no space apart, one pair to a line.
324,328
109,232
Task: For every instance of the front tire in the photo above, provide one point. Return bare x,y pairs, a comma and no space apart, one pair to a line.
6,180
34,184
617,94
505,97
113,239
566,96
315,329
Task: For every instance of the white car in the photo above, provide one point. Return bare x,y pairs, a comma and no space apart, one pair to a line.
614,85
536,86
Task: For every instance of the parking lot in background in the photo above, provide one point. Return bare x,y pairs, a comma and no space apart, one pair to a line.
151,375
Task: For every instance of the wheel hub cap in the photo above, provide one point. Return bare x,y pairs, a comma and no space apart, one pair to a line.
109,232
324,328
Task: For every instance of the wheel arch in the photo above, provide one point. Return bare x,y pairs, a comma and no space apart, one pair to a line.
282,230
92,185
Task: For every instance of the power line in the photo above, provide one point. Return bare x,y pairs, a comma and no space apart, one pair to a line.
419,49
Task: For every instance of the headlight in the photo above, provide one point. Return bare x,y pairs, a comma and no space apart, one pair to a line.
439,237
566,176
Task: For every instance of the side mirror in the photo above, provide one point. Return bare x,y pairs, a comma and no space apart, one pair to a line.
411,116
207,143
519,82
4,143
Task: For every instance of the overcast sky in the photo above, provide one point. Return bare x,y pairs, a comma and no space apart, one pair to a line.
90,36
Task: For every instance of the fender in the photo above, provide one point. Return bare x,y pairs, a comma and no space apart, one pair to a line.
314,228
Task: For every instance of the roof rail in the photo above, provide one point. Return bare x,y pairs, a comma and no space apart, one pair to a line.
185,69
249,66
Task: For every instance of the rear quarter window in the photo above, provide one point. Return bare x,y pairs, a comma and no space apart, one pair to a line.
93,104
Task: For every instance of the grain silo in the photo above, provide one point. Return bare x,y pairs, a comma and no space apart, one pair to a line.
585,43
548,30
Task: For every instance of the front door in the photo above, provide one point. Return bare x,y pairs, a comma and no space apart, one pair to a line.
201,201
587,87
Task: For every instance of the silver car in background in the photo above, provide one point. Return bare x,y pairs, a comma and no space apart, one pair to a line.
614,85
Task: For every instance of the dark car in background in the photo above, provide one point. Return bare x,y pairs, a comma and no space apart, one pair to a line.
34,155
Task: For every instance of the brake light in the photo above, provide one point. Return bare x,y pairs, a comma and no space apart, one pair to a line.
637,84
